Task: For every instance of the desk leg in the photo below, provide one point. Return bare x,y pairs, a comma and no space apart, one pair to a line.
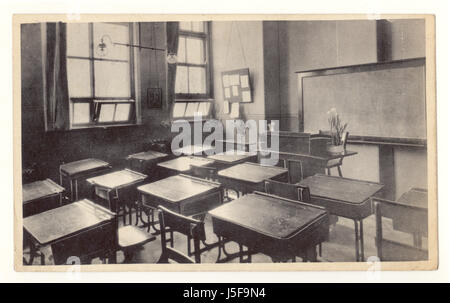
311,254
34,252
241,253
227,256
130,217
151,222
71,190
189,246
124,215
76,190
379,231
138,212
356,240
219,248
359,240
154,222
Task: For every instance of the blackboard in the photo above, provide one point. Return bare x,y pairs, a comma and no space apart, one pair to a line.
385,100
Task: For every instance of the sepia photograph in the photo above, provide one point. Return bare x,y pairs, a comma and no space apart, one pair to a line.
304,142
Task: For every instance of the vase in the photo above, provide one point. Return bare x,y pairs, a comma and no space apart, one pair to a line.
335,149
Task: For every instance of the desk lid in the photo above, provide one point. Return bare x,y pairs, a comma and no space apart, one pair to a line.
183,164
342,189
84,165
117,179
40,189
417,197
270,215
232,156
147,155
252,172
178,188
55,224
192,149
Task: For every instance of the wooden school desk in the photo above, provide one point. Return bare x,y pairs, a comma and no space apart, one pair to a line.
144,161
190,150
314,162
183,194
118,189
227,159
409,214
245,146
40,196
275,226
81,229
247,177
81,169
183,164
417,223
344,197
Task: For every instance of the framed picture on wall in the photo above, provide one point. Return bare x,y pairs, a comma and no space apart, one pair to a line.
154,97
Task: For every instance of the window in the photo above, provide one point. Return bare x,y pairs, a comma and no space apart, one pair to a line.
187,110
193,78
101,84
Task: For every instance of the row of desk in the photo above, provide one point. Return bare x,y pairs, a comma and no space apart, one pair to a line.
191,196
262,223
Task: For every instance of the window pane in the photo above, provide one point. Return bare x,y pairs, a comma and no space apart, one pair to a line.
197,80
106,113
195,52
122,112
78,39
181,54
81,113
198,27
191,109
78,77
178,109
112,79
185,26
181,83
203,108
112,33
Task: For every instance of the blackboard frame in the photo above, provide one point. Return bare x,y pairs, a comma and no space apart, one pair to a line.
348,69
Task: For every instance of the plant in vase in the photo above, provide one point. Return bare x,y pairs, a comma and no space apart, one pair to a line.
336,131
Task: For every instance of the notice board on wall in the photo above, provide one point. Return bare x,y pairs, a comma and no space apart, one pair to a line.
384,100
236,85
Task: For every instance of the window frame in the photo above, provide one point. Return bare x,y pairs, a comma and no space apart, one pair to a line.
185,104
207,53
96,102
